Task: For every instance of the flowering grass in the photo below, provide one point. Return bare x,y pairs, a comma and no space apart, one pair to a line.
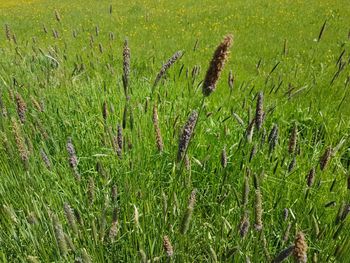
89,169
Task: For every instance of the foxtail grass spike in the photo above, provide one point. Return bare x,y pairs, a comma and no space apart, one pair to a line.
284,254
60,238
57,16
136,216
273,137
186,135
7,32
311,177
325,158
216,65
300,248
259,113
70,217
21,108
73,159
168,248
166,66
126,67
20,142
223,158
244,225
104,111
231,80
258,210
293,140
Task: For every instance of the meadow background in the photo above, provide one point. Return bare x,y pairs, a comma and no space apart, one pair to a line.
67,68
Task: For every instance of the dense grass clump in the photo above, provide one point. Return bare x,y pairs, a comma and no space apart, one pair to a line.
131,132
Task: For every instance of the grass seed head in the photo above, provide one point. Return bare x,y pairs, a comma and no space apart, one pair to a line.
223,158
21,107
59,234
20,142
168,248
166,66
57,16
70,217
293,140
231,80
7,32
324,160
244,225
259,113
45,159
273,137
186,135
300,248
126,67
311,177
216,65
284,254
258,210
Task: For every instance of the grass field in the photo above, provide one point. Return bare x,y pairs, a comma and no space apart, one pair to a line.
89,167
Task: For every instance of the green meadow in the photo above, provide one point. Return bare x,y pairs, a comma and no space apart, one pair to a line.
89,162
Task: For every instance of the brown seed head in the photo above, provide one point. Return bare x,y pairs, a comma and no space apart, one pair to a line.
325,158
168,248
216,65
186,135
293,140
126,67
20,142
166,66
300,248
21,108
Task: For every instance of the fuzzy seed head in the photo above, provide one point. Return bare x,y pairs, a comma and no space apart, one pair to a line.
259,114
230,80
325,158
45,159
186,135
293,140
300,248
216,65
126,67
223,158
70,217
59,234
311,177
20,142
21,107
57,16
273,137
166,66
244,225
168,248
258,210
284,254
